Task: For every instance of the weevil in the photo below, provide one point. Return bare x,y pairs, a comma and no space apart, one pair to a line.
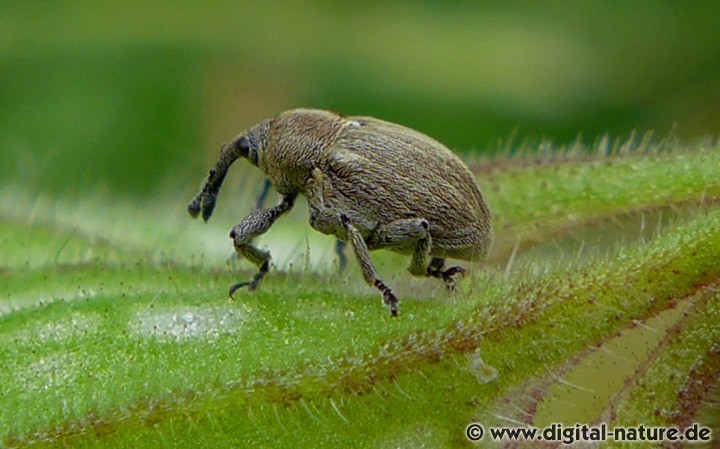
368,182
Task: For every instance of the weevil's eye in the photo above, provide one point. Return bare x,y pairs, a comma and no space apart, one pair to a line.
243,144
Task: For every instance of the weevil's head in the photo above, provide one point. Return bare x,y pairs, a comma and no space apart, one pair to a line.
251,143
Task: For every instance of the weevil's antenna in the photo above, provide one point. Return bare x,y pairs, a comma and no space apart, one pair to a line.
205,200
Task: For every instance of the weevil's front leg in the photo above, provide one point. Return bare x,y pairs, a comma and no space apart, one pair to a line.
259,203
257,223
366,265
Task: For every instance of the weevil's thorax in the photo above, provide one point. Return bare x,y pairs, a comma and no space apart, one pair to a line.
295,142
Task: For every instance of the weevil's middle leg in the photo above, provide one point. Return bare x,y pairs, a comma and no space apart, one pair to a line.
259,203
366,265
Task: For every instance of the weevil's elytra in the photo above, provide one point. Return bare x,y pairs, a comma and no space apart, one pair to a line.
371,183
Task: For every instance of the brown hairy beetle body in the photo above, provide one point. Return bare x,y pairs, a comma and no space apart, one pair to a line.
368,182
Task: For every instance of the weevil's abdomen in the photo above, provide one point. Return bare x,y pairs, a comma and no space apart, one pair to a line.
387,172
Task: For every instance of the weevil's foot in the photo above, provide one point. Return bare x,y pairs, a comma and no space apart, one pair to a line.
389,297
251,285
448,275
254,283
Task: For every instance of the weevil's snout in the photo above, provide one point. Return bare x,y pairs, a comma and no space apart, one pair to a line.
205,200
247,145
194,207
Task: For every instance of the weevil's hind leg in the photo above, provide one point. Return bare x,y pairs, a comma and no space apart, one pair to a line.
435,269
413,234
257,223
366,265
341,257
405,235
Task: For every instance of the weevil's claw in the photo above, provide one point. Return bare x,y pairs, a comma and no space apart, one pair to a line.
251,285
447,275
393,311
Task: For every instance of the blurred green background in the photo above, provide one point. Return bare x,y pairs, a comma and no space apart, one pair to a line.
137,96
